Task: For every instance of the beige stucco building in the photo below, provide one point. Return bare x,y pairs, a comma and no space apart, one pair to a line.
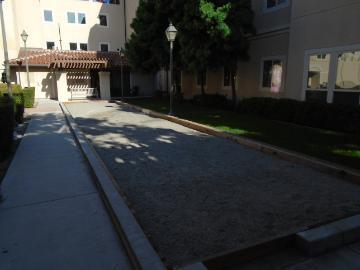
55,29
303,49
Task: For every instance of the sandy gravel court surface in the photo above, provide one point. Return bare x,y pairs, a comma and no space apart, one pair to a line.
196,195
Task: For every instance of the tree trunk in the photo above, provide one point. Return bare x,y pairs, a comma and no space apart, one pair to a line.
233,86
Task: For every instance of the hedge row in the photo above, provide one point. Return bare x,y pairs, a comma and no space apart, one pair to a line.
214,101
29,97
18,100
28,93
327,116
7,125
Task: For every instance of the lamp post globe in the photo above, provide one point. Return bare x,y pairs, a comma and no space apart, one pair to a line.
171,33
24,36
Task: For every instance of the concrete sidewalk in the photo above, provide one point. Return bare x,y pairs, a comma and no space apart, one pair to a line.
52,216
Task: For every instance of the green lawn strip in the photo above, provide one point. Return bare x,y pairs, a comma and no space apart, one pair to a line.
332,146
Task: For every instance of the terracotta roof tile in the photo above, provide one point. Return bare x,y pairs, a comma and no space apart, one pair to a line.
69,59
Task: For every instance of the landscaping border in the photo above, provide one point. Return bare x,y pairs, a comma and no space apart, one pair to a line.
318,164
139,249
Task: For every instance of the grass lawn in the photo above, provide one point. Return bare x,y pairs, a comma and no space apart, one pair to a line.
336,147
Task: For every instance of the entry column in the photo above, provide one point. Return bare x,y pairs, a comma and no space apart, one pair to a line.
104,81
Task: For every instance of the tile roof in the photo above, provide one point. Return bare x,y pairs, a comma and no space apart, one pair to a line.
69,59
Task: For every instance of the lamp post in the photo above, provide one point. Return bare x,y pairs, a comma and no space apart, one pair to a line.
24,37
122,54
171,33
6,54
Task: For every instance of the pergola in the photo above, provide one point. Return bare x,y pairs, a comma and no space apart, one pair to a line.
69,59
70,71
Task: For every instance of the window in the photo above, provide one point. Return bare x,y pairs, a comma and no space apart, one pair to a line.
348,71
272,74
226,78
81,18
115,2
321,56
71,17
104,47
273,4
103,20
201,76
50,45
318,74
48,17
333,75
83,46
73,46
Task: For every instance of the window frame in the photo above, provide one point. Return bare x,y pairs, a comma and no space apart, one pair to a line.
223,79
276,7
73,43
49,42
206,79
283,60
334,54
52,16
104,43
77,18
107,20
83,43
67,17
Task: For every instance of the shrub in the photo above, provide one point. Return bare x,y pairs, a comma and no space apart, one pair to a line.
6,126
29,97
328,116
214,101
18,100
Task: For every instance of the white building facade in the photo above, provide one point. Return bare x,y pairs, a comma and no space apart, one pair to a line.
67,26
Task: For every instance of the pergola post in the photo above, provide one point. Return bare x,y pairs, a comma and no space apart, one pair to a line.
104,81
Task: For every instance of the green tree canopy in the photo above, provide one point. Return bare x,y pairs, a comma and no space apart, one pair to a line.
212,33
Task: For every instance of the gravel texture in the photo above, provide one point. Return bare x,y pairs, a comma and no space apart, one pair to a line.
196,195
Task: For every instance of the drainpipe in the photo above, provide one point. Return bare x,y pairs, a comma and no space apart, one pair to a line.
125,22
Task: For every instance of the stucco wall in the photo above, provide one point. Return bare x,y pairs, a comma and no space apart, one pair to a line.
315,25
41,78
267,20
145,82
28,15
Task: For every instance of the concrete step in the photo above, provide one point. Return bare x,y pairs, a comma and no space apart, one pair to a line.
324,238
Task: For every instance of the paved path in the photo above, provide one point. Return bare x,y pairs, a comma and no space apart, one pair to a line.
52,216
196,195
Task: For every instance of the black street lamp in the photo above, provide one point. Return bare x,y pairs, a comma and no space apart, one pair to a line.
171,33
122,55
24,37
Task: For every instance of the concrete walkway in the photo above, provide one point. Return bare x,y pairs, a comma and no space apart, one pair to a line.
52,216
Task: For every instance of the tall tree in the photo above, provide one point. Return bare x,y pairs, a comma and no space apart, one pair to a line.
146,48
212,33
229,24
236,45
